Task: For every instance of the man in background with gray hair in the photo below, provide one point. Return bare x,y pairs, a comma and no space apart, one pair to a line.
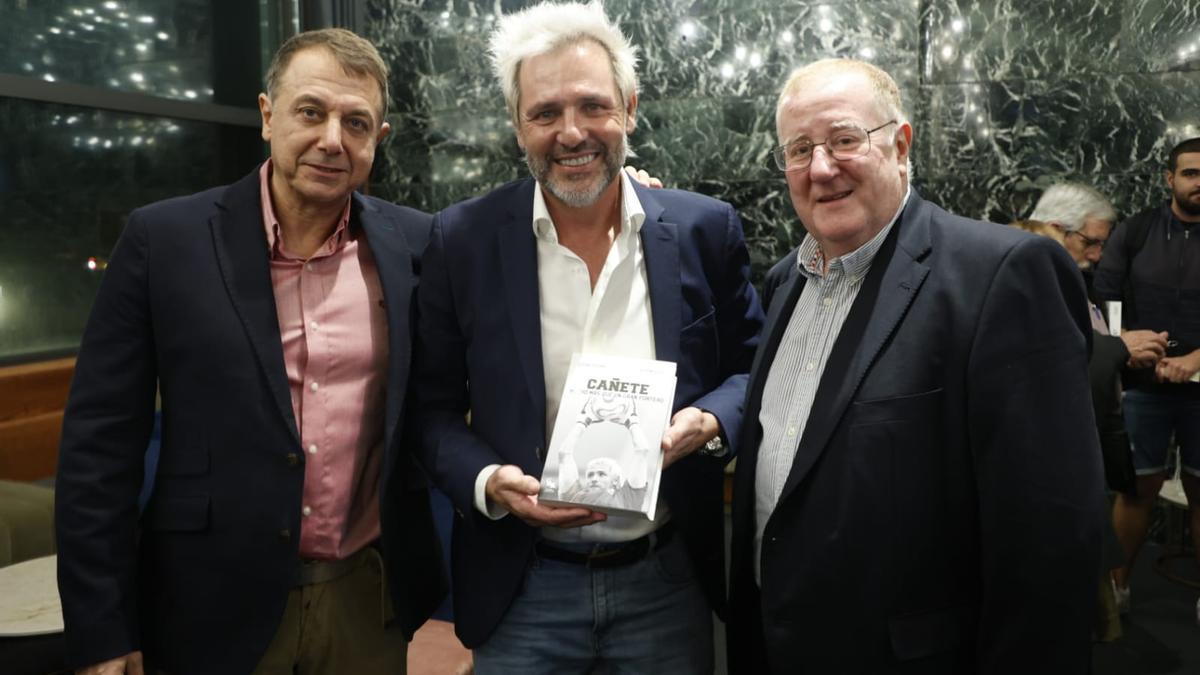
1086,219
579,259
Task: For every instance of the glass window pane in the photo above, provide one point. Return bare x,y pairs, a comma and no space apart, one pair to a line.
193,50
69,177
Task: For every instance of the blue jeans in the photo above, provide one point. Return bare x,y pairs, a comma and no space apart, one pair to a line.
646,617
1150,419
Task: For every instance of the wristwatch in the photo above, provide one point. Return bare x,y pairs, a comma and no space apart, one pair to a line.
715,447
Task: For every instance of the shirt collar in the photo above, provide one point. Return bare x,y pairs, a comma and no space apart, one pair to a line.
275,243
632,213
810,259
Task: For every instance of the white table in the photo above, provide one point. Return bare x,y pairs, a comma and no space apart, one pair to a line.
29,603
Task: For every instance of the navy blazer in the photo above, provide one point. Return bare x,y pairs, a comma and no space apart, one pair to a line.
939,515
199,581
479,350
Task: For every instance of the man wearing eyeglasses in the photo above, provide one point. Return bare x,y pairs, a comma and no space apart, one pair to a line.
912,493
1153,267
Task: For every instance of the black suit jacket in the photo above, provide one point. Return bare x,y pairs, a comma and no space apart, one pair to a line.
939,516
200,579
480,349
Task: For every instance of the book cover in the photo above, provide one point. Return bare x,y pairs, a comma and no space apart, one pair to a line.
606,446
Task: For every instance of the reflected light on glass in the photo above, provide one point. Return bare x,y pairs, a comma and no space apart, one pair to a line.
957,25
48,77
56,30
727,70
141,48
947,53
740,53
146,19
786,37
162,36
825,25
687,29
867,53
189,94
110,5
137,77
755,60
92,264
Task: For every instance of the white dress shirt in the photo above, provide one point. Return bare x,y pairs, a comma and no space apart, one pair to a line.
613,318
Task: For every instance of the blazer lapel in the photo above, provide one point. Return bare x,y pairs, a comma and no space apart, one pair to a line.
241,250
660,245
893,281
394,262
519,274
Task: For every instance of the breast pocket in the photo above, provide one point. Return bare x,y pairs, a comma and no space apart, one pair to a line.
896,453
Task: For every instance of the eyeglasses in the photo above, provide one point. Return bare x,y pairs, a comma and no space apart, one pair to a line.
844,144
1088,242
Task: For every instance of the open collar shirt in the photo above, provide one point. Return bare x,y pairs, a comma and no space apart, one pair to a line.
333,327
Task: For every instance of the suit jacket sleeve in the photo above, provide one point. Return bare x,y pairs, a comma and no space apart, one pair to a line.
1037,463
739,322
1109,282
106,428
453,455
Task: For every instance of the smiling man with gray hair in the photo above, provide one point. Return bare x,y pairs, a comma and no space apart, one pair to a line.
580,260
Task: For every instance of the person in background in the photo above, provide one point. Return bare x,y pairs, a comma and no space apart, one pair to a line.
1152,266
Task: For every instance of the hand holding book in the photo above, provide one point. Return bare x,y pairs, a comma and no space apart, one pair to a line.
517,493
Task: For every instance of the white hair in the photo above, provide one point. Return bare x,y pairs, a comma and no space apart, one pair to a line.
547,26
1070,204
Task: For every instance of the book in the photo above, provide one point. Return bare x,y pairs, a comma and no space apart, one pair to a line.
606,445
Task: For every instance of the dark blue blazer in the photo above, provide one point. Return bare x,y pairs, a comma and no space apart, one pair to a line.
199,581
479,350
939,516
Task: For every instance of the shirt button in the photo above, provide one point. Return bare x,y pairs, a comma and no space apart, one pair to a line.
791,431
308,266
307,510
285,535
293,459
314,325
314,386
811,366
827,302
312,449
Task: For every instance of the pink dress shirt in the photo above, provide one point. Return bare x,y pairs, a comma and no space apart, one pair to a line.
333,326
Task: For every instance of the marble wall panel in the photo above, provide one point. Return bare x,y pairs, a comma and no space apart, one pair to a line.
974,40
1161,35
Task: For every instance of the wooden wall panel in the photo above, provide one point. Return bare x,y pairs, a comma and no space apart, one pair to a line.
32,397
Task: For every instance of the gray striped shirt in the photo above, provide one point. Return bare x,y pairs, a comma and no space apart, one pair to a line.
799,362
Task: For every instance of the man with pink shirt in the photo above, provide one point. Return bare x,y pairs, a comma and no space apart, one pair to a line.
289,530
